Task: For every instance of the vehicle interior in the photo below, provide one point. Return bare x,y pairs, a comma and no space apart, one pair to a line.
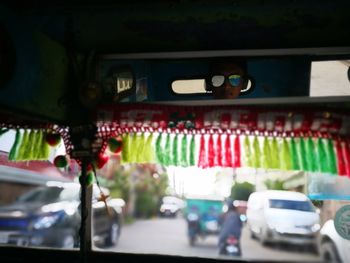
141,72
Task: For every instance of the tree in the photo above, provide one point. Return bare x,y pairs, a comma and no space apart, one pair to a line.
121,185
274,184
150,188
241,191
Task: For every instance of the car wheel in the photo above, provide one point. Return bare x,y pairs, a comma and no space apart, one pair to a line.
68,242
113,235
329,252
192,241
263,237
252,234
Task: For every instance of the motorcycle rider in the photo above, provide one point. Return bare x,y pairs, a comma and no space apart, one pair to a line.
193,226
231,224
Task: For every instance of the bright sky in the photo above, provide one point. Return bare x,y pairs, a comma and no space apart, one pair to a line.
197,181
6,141
218,181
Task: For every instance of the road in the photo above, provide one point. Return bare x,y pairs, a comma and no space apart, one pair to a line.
168,236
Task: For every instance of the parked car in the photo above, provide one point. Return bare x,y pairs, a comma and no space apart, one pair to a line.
332,247
283,217
170,206
49,216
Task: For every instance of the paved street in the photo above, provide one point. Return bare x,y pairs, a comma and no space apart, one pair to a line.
168,236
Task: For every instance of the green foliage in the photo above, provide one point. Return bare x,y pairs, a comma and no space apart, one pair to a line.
161,185
128,220
274,184
141,187
145,205
149,189
241,191
121,186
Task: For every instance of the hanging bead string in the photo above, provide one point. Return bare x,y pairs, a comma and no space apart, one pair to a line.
28,126
107,130
277,118
64,132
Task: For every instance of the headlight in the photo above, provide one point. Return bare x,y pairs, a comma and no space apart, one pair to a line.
46,221
315,227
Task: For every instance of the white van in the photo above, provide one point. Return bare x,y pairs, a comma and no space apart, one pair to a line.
333,247
282,217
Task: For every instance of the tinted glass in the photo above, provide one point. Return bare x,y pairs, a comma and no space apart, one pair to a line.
45,195
291,205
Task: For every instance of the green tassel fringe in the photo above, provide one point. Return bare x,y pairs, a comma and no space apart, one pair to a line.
167,157
45,148
310,155
134,147
256,153
125,151
247,152
275,154
322,162
266,155
294,155
140,149
28,153
302,155
285,156
192,161
23,146
159,150
331,156
40,140
183,160
13,155
148,150
175,159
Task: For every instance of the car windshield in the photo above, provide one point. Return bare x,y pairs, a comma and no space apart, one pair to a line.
291,205
49,195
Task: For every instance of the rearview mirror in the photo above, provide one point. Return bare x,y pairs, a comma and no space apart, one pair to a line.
197,86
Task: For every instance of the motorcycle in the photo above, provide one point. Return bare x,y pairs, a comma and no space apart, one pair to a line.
202,218
231,247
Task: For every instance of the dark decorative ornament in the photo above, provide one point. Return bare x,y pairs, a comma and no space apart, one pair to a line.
115,145
53,139
61,161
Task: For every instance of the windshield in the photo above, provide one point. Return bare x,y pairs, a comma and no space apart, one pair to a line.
192,158
291,205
